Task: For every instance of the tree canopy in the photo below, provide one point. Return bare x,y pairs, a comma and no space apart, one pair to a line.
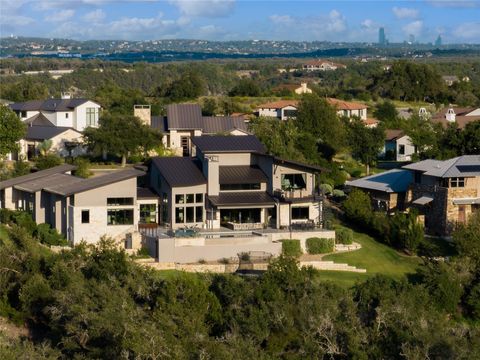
11,131
121,135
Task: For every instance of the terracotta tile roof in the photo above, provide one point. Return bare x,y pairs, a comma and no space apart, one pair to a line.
459,111
393,134
346,105
371,122
461,121
278,104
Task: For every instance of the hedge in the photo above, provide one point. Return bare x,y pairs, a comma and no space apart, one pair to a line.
344,236
291,248
317,245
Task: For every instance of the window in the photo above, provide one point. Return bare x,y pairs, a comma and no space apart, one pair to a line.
120,217
226,187
401,149
457,182
190,198
418,177
293,181
345,112
180,199
66,115
199,198
189,216
85,216
199,214
164,198
92,116
289,113
360,112
179,215
23,114
300,213
119,201
148,213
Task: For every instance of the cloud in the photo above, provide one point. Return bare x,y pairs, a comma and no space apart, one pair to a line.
336,22
413,28
204,8
468,31
405,13
60,16
281,19
94,16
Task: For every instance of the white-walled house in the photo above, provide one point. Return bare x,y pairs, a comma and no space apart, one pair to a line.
322,65
75,113
398,146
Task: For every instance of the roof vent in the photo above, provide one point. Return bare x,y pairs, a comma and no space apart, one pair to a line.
450,115
66,95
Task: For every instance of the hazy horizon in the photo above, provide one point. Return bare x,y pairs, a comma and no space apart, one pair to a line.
225,20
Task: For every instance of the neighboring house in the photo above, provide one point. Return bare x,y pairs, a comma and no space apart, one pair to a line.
284,109
456,115
446,192
66,141
66,112
302,89
398,146
233,183
387,190
322,65
184,121
450,79
80,209
281,109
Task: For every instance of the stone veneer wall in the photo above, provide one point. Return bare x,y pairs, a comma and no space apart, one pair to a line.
436,211
452,209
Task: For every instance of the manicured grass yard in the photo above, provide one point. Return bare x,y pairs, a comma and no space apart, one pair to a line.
3,233
373,256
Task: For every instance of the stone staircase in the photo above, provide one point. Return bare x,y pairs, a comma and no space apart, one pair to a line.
332,266
352,247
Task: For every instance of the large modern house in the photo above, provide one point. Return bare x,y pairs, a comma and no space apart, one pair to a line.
80,209
65,112
231,182
322,65
444,192
184,121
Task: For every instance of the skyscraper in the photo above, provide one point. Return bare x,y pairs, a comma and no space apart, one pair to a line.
381,36
438,42
411,38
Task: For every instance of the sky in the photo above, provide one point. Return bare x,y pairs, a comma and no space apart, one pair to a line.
354,20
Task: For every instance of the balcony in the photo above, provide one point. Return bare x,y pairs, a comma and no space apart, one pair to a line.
295,194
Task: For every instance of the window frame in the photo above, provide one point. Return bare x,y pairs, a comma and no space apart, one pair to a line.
82,218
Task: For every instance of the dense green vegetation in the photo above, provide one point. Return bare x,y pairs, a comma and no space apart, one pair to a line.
94,302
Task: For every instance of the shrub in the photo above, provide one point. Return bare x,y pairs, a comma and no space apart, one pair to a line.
48,161
202,261
317,245
344,236
224,261
338,193
143,252
326,188
291,247
245,256
47,235
83,168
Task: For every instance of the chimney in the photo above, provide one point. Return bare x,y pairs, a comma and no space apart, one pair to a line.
450,115
143,112
66,95
212,172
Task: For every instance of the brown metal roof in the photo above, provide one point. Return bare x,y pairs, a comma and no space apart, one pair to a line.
180,171
228,144
146,193
46,132
241,175
54,179
242,198
93,183
184,116
219,124
38,120
48,105
393,134
36,175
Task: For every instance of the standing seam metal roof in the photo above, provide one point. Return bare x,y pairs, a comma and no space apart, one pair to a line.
466,165
241,175
180,171
36,175
184,116
228,144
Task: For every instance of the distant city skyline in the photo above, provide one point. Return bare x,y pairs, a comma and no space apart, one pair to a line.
336,21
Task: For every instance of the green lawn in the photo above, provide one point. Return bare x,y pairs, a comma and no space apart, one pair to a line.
3,233
373,256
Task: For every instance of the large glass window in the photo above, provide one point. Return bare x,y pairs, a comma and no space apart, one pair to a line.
119,201
92,116
148,213
300,213
179,215
226,187
120,217
190,214
190,198
199,198
290,113
199,214
180,199
293,181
